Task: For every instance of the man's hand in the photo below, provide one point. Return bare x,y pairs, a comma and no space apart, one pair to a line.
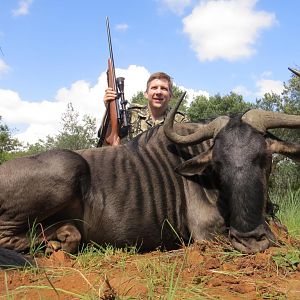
110,95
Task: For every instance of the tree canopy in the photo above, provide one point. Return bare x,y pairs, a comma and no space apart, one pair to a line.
288,102
203,107
7,142
74,134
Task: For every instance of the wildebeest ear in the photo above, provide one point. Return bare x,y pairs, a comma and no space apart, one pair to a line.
195,165
291,150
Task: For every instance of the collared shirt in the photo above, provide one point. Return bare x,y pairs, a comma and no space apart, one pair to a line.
141,120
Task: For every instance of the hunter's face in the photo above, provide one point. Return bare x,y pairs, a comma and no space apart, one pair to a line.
158,94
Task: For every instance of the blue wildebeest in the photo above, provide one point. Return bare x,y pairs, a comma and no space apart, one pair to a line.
193,179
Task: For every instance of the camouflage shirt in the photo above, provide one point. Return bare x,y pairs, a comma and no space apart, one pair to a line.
141,120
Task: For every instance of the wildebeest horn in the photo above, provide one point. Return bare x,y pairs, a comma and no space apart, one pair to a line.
204,131
296,72
263,120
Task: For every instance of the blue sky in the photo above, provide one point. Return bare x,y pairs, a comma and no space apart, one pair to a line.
55,52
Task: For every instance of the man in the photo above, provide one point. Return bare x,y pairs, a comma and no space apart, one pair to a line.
158,93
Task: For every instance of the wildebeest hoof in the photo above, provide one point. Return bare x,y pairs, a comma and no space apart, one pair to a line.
69,237
253,241
52,246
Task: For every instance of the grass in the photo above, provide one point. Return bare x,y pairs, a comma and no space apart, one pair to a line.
289,208
287,259
36,244
163,275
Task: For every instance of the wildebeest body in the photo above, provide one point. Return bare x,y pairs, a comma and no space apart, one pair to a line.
160,186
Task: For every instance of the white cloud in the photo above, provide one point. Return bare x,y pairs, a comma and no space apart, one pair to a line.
122,27
191,94
226,29
263,84
4,67
269,86
23,8
242,90
44,117
176,6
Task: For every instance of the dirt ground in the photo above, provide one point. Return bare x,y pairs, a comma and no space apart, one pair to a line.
206,270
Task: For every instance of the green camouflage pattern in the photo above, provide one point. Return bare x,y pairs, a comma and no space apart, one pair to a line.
141,120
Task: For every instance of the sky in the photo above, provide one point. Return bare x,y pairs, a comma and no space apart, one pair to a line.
55,52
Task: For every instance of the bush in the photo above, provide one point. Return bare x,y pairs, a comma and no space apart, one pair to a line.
285,176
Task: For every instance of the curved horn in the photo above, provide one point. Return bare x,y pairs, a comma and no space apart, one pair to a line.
263,120
205,131
296,72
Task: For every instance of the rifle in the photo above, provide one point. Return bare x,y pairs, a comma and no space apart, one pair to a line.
115,122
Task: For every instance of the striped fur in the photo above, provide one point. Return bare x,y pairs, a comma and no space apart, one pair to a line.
143,193
135,184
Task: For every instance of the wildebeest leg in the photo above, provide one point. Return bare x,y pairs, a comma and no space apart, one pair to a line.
24,227
62,227
18,242
40,193
65,237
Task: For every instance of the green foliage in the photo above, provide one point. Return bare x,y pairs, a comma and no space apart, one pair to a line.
73,136
291,95
288,102
285,175
203,107
36,246
285,178
7,142
177,93
288,260
288,202
139,98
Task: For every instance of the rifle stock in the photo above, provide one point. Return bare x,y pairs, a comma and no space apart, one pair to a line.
113,138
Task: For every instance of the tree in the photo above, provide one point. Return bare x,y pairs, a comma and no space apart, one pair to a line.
7,142
291,95
177,93
74,135
203,107
139,98
288,102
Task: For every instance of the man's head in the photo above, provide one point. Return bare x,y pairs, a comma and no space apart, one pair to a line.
159,91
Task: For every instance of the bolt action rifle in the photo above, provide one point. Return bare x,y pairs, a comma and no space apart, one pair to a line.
115,122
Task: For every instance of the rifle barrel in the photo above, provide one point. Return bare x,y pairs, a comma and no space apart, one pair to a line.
111,55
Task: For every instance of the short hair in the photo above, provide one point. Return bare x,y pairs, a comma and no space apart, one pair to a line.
161,75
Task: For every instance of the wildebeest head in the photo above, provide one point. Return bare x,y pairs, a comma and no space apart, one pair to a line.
240,157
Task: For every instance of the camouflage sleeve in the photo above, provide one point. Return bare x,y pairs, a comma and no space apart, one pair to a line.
134,121
181,117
